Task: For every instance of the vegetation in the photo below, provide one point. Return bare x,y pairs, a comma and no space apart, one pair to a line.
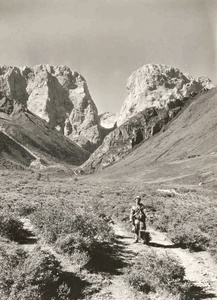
66,220
187,217
74,217
79,229
11,227
152,273
36,275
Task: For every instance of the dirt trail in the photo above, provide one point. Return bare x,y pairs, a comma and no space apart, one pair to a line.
199,267
34,241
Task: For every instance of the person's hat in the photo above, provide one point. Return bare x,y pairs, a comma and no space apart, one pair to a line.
138,197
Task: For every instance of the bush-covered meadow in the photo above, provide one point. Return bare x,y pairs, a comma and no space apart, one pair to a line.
36,275
66,218
188,217
73,215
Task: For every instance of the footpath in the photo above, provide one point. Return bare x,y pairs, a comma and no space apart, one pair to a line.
200,268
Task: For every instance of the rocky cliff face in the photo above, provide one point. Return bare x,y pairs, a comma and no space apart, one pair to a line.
59,96
159,86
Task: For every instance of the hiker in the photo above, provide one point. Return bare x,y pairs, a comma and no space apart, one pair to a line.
138,218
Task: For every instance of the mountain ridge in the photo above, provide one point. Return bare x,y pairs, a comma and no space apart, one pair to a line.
158,85
24,134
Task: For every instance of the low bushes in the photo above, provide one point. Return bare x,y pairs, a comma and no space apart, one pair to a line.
81,231
35,276
189,220
153,273
11,227
186,236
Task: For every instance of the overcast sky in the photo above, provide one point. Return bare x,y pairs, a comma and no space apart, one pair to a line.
106,40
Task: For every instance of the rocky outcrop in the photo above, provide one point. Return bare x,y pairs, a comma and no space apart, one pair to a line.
108,120
157,85
124,138
59,96
206,83
28,140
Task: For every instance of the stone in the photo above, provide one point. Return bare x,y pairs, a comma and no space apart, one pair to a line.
160,86
108,120
206,82
156,94
124,138
57,95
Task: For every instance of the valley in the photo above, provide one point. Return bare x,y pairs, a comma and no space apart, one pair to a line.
68,184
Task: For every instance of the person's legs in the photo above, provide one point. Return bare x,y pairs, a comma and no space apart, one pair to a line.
136,231
142,229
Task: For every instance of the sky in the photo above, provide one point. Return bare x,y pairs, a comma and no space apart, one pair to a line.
107,40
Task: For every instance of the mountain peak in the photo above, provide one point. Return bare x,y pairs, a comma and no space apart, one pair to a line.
59,96
157,85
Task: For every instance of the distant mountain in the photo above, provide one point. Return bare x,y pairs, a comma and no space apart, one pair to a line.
27,140
59,96
156,94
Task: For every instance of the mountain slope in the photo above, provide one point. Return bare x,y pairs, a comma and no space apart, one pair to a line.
185,152
29,140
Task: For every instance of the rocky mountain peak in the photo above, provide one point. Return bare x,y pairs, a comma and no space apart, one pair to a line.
158,85
59,96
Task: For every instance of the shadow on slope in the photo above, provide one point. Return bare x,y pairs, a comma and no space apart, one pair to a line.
30,138
197,293
108,258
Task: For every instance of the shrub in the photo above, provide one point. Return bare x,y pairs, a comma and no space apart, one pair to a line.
69,243
26,209
36,276
185,236
151,272
188,218
55,220
11,227
81,233
11,259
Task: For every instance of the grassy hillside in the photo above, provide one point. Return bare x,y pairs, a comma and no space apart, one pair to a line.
186,152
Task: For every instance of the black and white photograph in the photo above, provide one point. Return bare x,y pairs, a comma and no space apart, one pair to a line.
108,149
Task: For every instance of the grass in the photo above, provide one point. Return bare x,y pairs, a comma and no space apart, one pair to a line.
69,219
187,215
